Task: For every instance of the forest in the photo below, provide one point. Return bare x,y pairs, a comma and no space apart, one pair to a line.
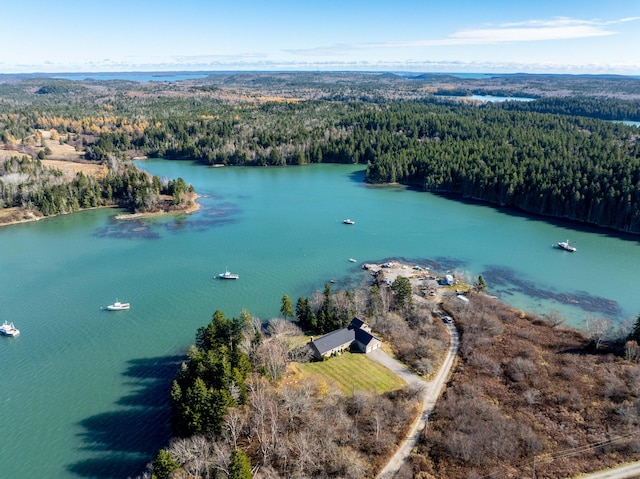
547,392
526,390
27,183
234,394
561,155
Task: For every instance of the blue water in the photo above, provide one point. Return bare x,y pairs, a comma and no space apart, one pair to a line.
486,98
134,76
85,391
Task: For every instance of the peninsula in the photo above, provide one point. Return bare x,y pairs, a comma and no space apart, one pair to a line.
43,176
524,391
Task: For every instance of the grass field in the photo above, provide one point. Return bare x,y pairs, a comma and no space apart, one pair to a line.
351,372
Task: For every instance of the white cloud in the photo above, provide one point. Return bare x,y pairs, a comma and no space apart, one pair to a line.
559,28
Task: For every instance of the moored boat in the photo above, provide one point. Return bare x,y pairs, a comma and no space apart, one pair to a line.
228,275
566,246
118,306
8,329
349,222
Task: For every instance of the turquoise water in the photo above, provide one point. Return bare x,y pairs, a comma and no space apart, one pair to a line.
84,390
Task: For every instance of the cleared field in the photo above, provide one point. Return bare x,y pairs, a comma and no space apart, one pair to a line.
357,372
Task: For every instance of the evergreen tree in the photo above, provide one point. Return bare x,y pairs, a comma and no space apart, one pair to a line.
480,285
163,465
635,332
240,467
401,288
287,308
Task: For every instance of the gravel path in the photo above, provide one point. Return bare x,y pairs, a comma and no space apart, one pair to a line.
431,392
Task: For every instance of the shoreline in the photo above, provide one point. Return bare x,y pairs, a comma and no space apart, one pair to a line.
192,208
27,216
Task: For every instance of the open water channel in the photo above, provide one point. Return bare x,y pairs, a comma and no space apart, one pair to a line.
84,391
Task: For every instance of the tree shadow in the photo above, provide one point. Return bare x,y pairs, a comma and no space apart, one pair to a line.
125,440
358,176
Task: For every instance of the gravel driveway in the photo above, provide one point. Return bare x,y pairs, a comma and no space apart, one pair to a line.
431,391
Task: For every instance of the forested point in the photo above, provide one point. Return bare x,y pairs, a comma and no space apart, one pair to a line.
28,184
560,155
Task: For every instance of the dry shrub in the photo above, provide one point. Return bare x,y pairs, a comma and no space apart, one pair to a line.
485,364
521,369
528,334
532,396
615,389
568,373
570,398
632,378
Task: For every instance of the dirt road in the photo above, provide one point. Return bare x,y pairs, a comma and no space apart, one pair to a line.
630,471
431,391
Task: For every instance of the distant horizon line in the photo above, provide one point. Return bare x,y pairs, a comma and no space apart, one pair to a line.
320,71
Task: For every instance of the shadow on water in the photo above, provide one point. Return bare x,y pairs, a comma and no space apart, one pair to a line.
358,176
214,212
530,216
126,439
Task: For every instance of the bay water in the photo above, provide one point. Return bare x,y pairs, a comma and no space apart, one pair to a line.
84,391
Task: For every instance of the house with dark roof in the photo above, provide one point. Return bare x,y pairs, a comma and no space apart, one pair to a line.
356,336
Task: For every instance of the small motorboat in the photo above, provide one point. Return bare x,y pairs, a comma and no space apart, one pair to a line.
118,306
228,275
566,246
349,222
8,329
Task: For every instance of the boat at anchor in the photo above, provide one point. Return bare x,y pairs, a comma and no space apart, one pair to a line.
566,246
118,306
8,329
228,275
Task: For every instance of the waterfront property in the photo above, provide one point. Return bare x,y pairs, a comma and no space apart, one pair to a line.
357,336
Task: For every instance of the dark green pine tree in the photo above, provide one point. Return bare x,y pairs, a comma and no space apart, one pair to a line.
635,332
480,285
287,308
240,467
163,465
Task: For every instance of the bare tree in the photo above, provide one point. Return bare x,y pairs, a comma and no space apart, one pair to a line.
221,456
260,401
234,422
195,454
632,351
554,318
360,300
272,354
597,329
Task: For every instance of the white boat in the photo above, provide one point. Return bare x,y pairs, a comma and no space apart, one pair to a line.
228,275
566,246
118,306
8,329
353,260
349,222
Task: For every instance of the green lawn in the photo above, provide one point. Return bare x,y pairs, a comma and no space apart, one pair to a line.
355,372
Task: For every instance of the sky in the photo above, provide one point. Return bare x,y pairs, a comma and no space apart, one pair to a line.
456,36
